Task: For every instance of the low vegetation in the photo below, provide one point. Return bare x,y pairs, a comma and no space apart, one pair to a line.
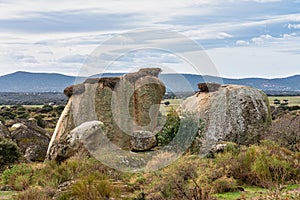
237,171
268,169
45,115
291,100
9,153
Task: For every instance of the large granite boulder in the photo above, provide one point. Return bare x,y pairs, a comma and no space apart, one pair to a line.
230,113
123,104
32,140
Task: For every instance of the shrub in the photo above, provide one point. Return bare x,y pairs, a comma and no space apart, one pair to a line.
40,122
59,109
9,152
36,193
8,115
267,165
46,109
23,116
18,177
189,178
94,186
286,131
224,184
2,119
170,128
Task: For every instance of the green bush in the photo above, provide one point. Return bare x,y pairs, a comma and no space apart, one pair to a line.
94,186
170,128
40,122
18,177
46,109
9,152
285,131
267,165
36,193
2,119
8,115
224,184
59,109
189,178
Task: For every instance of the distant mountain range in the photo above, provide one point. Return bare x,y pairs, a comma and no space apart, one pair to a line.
45,82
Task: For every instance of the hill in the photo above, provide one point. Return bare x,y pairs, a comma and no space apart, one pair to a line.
46,82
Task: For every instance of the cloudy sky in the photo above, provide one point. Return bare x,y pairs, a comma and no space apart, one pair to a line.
242,38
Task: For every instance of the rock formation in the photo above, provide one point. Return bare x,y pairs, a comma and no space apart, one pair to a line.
230,113
32,141
124,105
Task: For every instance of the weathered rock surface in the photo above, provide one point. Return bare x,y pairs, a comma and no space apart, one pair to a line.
123,104
230,113
32,141
143,140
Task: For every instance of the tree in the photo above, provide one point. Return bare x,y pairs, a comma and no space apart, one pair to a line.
167,103
276,101
9,152
285,102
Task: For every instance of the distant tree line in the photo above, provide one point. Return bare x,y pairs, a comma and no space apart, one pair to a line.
282,93
16,98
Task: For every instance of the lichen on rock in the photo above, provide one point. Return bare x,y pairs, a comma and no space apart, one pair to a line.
123,104
231,113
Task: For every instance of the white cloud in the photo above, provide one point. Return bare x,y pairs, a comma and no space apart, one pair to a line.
294,26
262,39
223,35
77,58
23,58
242,42
264,1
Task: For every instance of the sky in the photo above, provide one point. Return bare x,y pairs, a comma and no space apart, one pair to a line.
240,38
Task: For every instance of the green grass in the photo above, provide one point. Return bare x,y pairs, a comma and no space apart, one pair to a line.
293,100
174,104
250,192
7,195
292,187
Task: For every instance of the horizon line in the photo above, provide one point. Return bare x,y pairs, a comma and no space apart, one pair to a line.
58,73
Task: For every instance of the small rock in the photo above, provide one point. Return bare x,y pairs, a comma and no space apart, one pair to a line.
143,141
6,188
35,153
208,87
74,89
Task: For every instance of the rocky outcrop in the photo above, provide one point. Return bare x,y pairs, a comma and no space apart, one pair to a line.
123,104
32,141
230,113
